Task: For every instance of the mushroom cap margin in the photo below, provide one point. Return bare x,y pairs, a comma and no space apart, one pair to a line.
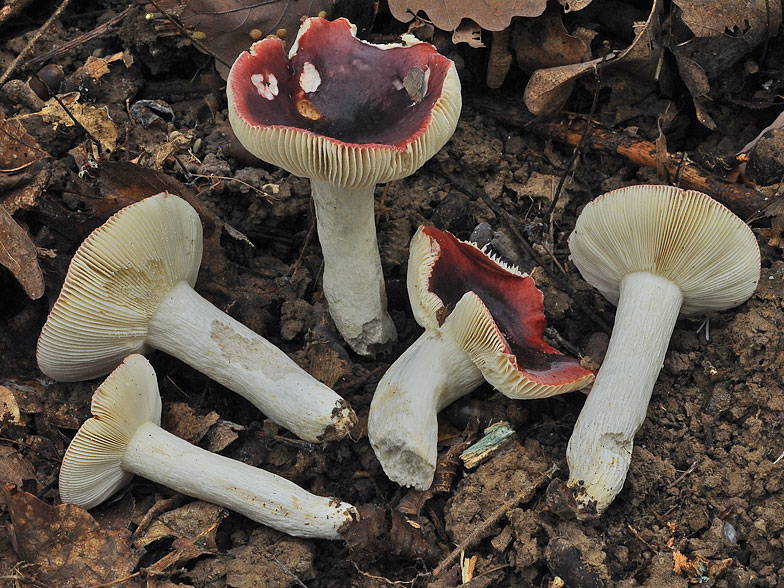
682,235
92,467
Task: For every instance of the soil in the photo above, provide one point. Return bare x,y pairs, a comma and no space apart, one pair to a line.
705,487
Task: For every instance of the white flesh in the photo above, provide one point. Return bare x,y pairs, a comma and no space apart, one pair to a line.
353,281
403,424
600,449
190,328
157,455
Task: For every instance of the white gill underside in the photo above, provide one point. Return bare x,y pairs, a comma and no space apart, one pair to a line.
600,449
402,424
157,455
190,328
353,281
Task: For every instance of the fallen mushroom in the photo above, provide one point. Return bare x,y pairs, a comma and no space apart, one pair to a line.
655,252
124,438
129,289
483,320
348,115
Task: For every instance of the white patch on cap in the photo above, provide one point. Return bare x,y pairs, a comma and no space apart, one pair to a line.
268,89
309,79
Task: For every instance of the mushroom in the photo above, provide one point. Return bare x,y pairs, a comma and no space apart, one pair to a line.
483,320
129,289
655,252
124,438
347,114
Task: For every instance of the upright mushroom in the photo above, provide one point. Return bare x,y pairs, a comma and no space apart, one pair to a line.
483,320
124,438
655,252
129,289
347,114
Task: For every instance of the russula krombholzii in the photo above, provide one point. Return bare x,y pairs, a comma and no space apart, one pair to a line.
124,438
656,252
347,114
483,320
129,289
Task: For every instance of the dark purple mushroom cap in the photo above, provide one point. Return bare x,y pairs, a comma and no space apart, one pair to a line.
342,110
493,310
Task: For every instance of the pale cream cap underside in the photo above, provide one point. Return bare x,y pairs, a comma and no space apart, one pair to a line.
318,157
114,284
682,235
91,470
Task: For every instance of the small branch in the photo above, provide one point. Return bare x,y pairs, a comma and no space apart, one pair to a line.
578,149
569,129
33,40
88,36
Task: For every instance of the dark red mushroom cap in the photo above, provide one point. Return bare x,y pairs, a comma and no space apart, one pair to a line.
340,109
493,310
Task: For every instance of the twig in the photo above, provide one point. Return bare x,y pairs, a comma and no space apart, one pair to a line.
11,9
481,530
88,36
570,166
387,580
287,571
156,509
184,32
308,237
31,43
569,129
266,195
57,99
361,380
637,534
680,478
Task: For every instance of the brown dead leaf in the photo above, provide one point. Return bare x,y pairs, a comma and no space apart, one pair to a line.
709,18
697,82
19,254
222,434
228,24
195,521
96,67
544,42
548,89
266,561
17,148
67,547
15,468
179,419
26,196
9,407
94,119
573,5
491,15
468,32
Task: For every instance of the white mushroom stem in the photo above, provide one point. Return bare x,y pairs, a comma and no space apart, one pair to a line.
353,280
190,328
157,455
403,424
600,448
